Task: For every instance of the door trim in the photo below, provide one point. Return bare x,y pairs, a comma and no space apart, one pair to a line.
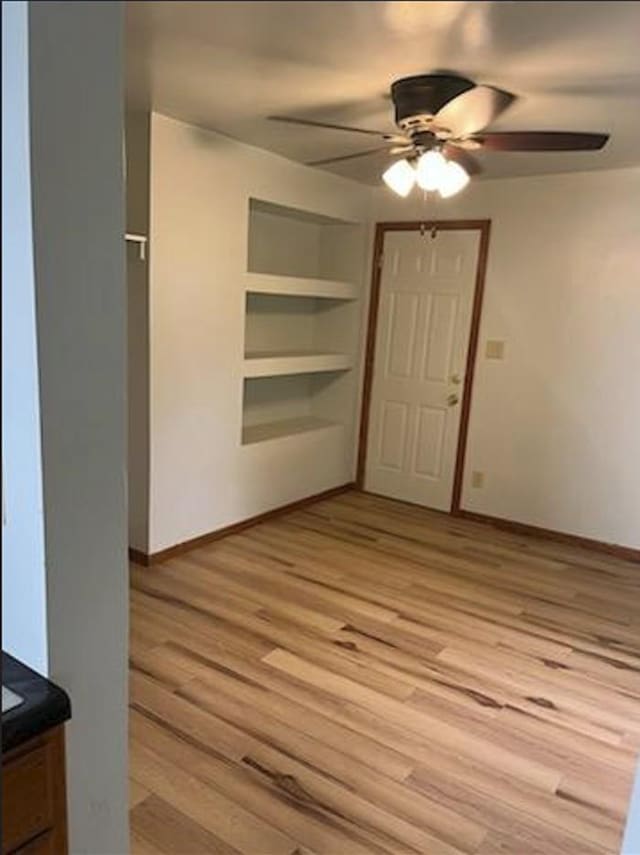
484,228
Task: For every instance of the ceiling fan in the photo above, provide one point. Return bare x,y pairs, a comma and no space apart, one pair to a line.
441,119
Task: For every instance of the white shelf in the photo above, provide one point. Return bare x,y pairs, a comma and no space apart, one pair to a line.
286,427
274,363
296,286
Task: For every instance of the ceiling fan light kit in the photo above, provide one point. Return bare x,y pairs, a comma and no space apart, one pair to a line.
442,118
432,172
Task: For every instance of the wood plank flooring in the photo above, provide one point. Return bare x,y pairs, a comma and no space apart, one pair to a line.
363,676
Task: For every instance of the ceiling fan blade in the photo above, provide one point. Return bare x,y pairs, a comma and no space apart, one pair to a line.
403,149
398,139
291,120
328,160
473,110
540,141
466,160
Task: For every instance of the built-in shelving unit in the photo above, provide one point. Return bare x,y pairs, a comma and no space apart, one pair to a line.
301,323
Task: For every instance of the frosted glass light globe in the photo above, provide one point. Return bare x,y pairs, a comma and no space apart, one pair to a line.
452,180
400,177
430,169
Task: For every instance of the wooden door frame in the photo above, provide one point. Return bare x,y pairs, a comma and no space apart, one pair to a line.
484,228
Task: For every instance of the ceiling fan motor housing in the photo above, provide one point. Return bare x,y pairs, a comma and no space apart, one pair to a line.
417,99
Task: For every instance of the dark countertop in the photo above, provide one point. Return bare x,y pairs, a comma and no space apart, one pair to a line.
45,705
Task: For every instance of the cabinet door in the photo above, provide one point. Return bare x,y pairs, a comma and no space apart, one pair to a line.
34,810
27,808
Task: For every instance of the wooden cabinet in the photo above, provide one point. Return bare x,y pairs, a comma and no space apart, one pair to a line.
34,812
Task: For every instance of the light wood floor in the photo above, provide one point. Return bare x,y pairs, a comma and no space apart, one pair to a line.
366,677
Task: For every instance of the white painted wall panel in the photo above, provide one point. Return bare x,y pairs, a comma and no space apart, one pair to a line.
76,67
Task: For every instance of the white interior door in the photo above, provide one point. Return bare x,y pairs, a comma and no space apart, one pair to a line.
424,319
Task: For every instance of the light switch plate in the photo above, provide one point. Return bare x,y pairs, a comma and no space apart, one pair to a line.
477,479
494,349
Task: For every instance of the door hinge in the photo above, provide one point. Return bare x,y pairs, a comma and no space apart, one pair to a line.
380,260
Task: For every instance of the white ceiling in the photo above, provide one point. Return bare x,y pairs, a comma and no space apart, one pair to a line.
228,65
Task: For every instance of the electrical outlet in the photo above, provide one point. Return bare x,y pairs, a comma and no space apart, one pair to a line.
494,349
477,479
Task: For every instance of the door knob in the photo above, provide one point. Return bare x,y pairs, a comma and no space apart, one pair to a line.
456,379
453,399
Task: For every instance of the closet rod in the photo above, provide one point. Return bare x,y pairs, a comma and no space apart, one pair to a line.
141,240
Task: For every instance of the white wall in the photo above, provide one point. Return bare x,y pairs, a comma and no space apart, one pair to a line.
201,477
554,426
24,608
77,66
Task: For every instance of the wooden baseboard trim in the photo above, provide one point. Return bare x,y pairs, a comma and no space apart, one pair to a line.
628,553
146,560
138,557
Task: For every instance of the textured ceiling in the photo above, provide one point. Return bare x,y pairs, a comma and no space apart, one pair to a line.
228,65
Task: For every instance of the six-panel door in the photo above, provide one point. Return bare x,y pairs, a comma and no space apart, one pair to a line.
426,298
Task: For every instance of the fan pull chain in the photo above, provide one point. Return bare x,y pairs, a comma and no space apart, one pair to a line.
433,231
